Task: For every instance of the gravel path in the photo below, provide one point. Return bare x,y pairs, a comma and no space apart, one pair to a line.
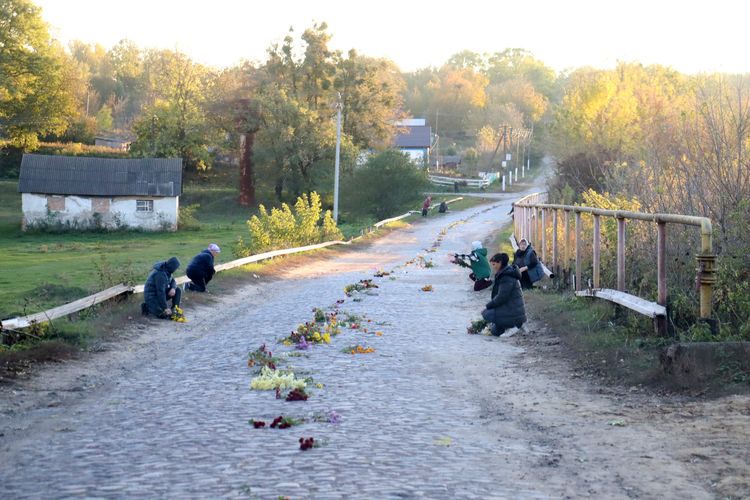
432,413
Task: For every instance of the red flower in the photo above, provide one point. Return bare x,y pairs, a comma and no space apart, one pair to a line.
306,443
258,424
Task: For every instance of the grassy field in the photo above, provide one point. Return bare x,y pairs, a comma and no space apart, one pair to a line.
43,270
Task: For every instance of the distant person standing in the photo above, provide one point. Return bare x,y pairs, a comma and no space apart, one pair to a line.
426,206
201,269
160,288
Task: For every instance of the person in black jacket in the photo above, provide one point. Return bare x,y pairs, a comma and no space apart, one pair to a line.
506,309
526,261
201,269
161,288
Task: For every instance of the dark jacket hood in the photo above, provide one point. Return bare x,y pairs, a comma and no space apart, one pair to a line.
168,266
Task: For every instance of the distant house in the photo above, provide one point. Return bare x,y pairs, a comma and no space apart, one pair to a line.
85,192
113,142
414,138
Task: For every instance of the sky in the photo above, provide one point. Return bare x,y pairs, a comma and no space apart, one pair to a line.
689,36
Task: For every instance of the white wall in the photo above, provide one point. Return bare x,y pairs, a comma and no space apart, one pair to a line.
415,155
122,213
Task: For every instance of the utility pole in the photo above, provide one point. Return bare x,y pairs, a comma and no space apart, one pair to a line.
339,105
437,141
153,135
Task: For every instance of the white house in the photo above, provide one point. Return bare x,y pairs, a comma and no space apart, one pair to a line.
86,192
414,138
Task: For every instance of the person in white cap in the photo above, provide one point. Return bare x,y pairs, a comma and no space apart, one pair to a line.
201,269
477,261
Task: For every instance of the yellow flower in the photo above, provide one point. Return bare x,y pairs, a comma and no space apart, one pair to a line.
316,337
319,385
326,338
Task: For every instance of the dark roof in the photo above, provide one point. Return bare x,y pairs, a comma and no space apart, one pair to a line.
90,176
414,137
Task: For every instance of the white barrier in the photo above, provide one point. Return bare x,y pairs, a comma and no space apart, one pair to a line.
450,181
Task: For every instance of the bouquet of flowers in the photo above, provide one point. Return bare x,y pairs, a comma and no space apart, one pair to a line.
476,326
178,315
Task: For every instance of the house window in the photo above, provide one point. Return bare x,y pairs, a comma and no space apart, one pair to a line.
144,205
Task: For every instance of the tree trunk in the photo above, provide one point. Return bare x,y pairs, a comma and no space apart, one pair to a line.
279,188
247,183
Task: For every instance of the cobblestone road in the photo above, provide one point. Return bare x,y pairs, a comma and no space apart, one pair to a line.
423,416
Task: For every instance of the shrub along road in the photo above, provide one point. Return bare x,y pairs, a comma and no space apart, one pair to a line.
431,412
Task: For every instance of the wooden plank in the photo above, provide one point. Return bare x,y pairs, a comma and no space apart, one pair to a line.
275,253
66,309
637,304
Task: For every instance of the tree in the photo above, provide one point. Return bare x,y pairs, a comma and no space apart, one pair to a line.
235,107
371,91
387,184
460,93
297,136
34,99
176,123
104,118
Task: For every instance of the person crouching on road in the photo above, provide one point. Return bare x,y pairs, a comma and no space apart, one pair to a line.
477,261
201,269
506,309
161,288
528,263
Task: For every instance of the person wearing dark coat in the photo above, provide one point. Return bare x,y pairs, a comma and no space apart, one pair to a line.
506,309
161,288
526,261
201,269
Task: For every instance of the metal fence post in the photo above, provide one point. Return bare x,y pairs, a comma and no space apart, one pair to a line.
544,234
566,245
578,252
597,250
554,241
621,254
661,271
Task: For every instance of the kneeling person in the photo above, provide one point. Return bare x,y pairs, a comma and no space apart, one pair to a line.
161,288
201,269
506,309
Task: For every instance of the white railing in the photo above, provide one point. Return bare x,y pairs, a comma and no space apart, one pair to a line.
450,181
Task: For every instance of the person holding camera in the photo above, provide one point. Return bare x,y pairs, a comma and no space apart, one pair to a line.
477,261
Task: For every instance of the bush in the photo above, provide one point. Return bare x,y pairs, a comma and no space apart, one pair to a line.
186,220
386,185
283,228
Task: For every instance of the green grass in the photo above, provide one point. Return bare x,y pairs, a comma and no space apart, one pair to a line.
50,269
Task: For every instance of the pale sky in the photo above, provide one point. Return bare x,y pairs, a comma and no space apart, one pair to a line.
688,35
